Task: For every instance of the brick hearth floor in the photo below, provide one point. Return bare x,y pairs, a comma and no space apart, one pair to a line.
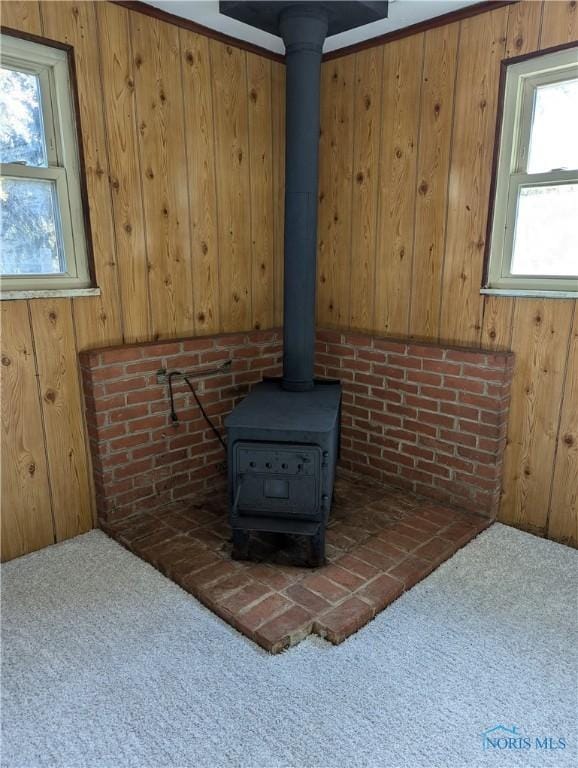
380,542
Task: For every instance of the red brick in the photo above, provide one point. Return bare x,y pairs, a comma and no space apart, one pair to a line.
270,576
439,393
107,373
425,350
196,345
399,539
121,355
148,422
487,374
339,623
357,566
378,560
372,356
436,418
145,396
416,451
380,545
459,438
125,385
433,467
464,385
435,551
343,577
285,629
422,402
133,468
245,597
476,428
477,400
371,379
382,591
423,377
307,599
125,414
144,366
405,361
464,411
390,345
411,570
327,589
212,573
438,366
108,433
419,427
127,441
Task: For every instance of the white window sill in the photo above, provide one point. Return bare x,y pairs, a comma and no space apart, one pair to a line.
529,293
51,293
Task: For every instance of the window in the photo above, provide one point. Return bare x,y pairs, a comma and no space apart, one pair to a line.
534,235
43,242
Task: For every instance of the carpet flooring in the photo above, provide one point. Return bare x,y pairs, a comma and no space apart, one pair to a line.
108,664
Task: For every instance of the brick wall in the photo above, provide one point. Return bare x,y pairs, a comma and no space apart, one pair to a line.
428,417
141,460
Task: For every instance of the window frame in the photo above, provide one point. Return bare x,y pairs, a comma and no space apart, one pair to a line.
53,63
520,77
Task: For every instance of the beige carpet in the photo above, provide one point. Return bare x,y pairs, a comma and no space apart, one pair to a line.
108,664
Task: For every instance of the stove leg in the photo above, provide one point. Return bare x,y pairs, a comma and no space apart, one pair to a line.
317,551
240,544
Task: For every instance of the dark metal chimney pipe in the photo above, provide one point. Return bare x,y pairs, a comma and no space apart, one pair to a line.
303,27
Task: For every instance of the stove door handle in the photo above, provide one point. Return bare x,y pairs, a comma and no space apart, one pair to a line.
236,501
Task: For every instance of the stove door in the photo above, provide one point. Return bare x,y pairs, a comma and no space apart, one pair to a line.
277,480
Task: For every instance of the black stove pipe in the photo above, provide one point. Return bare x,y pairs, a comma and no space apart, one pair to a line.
303,27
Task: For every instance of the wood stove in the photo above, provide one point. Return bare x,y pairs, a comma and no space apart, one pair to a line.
283,439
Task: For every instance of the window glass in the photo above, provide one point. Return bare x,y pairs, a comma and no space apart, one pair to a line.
546,235
554,133
30,228
21,129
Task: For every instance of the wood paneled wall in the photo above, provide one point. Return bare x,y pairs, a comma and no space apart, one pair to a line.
183,145
406,154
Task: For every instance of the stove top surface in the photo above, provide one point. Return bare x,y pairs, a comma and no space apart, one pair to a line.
268,406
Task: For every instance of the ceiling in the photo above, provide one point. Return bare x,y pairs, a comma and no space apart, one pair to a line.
402,13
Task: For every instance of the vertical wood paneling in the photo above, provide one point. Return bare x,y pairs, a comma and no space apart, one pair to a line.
431,196
146,92
367,112
524,22
62,409
563,520
334,216
199,135
159,100
97,319
278,131
402,70
560,25
261,167
559,22
446,277
22,16
540,343
497,324
229,69
218,259
125,183
26,507
482,46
